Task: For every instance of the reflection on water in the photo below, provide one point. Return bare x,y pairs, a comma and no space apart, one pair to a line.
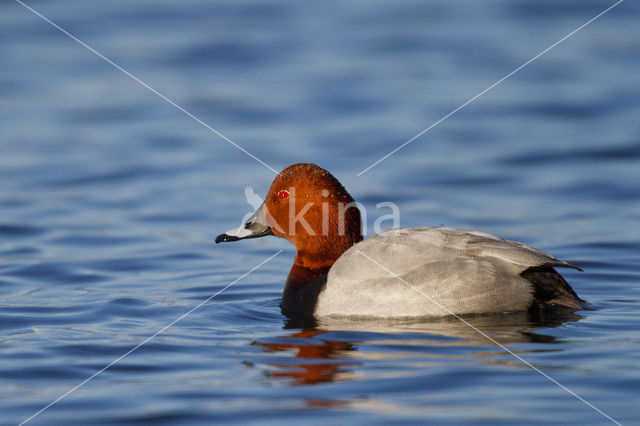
318,357
317,351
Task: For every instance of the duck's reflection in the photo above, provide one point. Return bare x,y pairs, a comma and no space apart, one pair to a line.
327,350
316,357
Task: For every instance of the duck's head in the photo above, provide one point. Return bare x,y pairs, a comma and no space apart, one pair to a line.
309,207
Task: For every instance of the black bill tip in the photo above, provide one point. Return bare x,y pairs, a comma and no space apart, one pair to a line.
224,238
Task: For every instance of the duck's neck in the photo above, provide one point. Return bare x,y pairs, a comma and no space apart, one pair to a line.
320,252
308,275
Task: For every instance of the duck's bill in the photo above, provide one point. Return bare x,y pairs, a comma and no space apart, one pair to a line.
254,227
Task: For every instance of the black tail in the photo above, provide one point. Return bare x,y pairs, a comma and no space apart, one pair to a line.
551,289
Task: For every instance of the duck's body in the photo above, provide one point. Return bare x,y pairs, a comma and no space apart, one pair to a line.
436,271
415,272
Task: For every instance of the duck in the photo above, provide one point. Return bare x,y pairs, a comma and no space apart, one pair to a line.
432,271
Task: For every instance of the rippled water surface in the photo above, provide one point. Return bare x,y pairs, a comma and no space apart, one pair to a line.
110,198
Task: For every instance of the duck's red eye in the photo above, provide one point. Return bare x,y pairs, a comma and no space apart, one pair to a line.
283,195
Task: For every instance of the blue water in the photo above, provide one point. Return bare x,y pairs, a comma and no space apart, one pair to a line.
110,198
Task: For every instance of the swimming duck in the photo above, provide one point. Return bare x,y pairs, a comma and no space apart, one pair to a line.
398,273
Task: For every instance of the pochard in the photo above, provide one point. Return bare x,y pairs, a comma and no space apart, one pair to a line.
398,273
